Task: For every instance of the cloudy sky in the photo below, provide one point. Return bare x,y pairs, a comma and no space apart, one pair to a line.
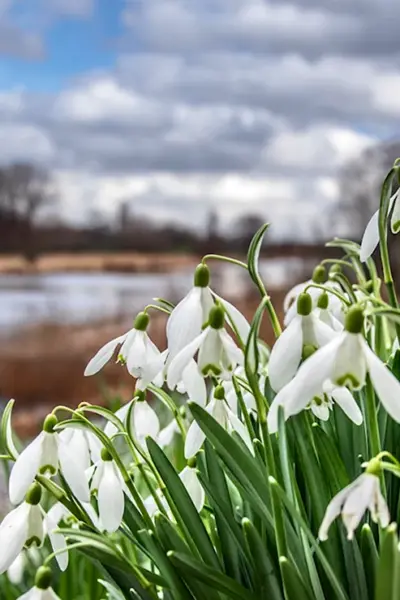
183,105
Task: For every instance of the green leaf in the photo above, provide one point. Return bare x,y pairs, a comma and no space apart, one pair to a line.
370,557
7,441
265,575
182,505
253,255
387,580
294,585
215,579
113,592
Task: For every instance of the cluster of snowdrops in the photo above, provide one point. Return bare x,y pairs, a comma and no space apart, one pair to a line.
260,449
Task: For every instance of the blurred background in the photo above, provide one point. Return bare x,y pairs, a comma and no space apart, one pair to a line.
138,135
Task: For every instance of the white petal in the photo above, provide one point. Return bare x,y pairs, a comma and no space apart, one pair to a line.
56,513
166,435
321,411
35,524
385,383
183,358
73,473
286,355
350,367
334,509
103,356
25,470
344,398
235,424
379,509
370,238
357,502
79,447
234,354
194,384
110,429
193,486
185,322
110,498
323,333
395,218
57,542
145,421
194,440
94,445
232,314
97,471
136,355
293,293
15,572
210,353
32,594
13,534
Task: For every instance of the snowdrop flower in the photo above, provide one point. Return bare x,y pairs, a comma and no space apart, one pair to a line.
144,419
30,556
370,238
142,358
187,318
305,329
86,447
42,589
193,384
321,405
44,455
23,526
108,483
325,314
221,412
190,480
352,502
218,353
346,360
167,434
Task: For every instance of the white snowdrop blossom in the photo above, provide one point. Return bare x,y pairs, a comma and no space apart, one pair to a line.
188,317
141,356
321,405
45,455
345,361
324,312
218,353
83,444
305,329
370,239
190,480
144,419
221,412
28,556
108,483
42,589
193,384
352,502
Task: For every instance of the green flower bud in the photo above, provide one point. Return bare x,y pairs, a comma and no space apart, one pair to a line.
323,301
43,578
192,462
49,423
202,276
335,269
216,317
319,274
105,455
304,304
140,396
374,467
141,322
354,321
219,392
34,494
308,350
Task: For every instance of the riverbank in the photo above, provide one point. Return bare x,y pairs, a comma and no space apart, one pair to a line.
121,262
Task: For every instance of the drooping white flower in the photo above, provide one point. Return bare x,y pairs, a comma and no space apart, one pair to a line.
190,480
46,454
325,313
352,502
218,353
188,317
144,419
141,356
370,239
221,412
29,556
321,405
304,330
42,589
193,384
346,360
83,444
107,481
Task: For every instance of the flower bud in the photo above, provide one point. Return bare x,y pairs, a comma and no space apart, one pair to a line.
105,455
304,304
335,269
43,578
192,462
216,317
354,321
49,423
139,396
323,301
374,467
308,350
34,494
319,274
219,392
141,322
202,276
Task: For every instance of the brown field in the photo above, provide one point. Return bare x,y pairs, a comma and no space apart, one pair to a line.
132,262
43,366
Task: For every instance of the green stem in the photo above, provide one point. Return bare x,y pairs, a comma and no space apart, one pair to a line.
232,261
